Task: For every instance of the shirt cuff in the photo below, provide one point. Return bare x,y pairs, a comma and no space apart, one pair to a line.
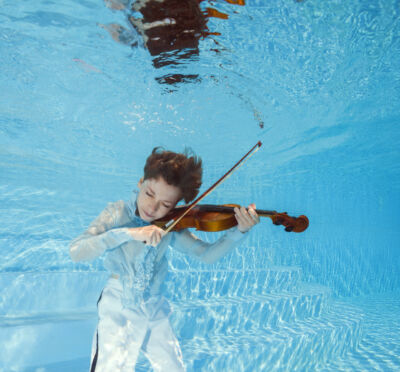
235,234
118,236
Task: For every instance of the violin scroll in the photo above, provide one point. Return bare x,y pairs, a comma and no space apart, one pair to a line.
296,224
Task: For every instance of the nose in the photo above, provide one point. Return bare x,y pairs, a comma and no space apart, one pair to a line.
154,207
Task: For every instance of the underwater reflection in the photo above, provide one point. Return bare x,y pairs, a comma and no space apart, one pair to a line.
170,30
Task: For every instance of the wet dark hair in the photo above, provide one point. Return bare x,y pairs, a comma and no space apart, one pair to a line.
183,170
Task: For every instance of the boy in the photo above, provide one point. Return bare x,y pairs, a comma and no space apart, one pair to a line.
133,315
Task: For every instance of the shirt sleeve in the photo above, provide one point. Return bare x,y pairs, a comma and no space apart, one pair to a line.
102,234
186,242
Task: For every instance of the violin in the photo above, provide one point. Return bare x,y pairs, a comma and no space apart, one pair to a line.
206,217
211,218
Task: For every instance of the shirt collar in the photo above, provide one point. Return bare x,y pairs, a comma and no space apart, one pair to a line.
133,211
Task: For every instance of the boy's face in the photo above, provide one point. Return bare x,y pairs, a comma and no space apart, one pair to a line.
156,198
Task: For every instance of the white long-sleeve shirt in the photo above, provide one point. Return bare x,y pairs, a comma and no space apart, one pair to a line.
141,268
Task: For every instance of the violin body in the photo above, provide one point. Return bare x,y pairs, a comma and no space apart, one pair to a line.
201,217
211,218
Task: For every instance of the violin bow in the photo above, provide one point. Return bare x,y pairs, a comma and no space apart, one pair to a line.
170,225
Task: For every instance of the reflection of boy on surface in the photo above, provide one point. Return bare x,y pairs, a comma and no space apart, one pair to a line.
170,29
133,315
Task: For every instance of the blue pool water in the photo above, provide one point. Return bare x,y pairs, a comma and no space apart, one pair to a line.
317,82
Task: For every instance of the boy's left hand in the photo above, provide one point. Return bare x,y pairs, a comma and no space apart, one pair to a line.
246,218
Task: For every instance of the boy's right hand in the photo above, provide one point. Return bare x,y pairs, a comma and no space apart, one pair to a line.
150,235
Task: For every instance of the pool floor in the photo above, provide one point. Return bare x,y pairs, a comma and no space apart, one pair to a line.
224,325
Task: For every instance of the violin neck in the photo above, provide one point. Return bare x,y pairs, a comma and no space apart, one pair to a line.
227,209
264,213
